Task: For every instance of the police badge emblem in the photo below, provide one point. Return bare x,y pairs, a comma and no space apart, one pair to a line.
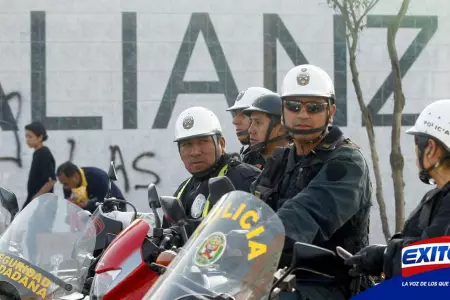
188,122
211,250
197,206
241,94
303,77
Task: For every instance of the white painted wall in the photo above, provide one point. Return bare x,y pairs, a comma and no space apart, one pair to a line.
84,77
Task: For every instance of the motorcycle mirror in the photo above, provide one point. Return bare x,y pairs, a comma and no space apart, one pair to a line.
304,258
173,209
9,201
219,186
153,197
154,202
112,176
344,254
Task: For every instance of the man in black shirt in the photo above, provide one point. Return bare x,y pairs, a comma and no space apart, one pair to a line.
86,186
41,178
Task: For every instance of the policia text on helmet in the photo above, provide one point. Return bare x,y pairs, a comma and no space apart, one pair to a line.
266,131
432,139
308,105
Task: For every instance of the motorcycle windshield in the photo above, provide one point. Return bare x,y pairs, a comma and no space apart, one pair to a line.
234,252
5,219
41,254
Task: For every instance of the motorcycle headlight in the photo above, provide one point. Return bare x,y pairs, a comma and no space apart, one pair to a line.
103,283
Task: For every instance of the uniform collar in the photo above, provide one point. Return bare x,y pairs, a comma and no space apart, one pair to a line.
331,139
208,173
432,193
446,188
329,143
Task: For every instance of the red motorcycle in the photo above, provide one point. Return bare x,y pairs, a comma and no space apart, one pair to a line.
134,261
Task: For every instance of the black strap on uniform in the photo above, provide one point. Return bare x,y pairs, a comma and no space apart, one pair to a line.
272,173
275,165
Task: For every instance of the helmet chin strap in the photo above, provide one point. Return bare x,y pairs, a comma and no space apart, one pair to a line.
217,161
260,147
323,129
243,133
424,174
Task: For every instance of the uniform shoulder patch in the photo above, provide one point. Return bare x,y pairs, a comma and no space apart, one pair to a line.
335,171
349,143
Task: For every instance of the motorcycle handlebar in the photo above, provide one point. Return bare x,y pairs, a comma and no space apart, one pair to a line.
114,201
166,240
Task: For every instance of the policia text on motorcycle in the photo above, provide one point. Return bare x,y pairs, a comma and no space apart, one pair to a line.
320,186
242,122
201,145
431,218
265,131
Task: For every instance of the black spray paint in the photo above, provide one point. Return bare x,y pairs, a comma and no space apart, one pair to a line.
9,122
121,165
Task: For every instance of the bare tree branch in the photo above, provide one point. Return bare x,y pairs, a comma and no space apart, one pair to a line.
353,13
369,8
396,157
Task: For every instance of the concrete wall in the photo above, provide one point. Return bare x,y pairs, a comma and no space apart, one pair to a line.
110,77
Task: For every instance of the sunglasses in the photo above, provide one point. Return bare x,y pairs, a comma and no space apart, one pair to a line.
311,107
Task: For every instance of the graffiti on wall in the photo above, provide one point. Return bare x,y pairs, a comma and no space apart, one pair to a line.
9,122
274,30
121,166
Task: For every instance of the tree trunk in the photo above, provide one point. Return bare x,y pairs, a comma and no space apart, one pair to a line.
373,148
353,17
396,157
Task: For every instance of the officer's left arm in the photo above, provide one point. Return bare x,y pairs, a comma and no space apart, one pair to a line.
437,228
332,197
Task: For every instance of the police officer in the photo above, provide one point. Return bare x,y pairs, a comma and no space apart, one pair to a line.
240,121
266,131
431,218
320,186
202,149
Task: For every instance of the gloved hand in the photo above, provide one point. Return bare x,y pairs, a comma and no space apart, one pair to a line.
367,261
174,235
